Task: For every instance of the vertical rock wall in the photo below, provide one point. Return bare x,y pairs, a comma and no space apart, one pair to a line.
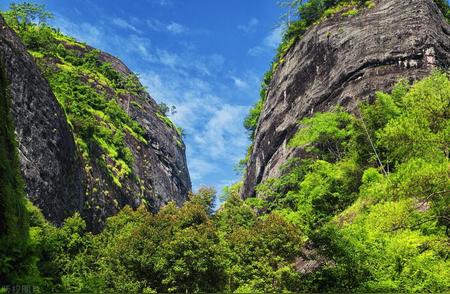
342,60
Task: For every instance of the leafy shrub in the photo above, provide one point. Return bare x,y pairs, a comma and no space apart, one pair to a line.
381,221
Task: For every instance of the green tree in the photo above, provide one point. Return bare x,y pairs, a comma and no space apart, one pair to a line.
20,15
163,108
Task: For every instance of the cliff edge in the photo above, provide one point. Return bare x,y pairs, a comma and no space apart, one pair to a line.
90,138
342,60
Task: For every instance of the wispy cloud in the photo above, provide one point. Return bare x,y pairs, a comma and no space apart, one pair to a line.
135,45
173,28
239,83
162,3
155,25
198,167
250,26
121,23
176,28
213,126
203,64
274,38
223,132
195,83
246,82
270,42
84,31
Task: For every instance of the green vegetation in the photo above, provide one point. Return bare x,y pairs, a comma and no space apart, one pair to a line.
309,13
444,7
165,109
376,212
20,16
97,119
371,197
374,195
88,89
176,250
17,260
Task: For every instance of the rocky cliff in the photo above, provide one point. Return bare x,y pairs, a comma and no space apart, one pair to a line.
48,158
339,61
90,137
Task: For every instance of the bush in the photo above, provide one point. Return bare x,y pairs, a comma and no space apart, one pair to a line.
382,222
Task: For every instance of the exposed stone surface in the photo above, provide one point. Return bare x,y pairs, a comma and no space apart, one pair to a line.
310,260
160,172
160,165
56,177
340,61
48,158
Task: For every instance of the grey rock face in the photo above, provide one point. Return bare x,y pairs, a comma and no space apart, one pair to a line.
161,164
341,61
57,178
160,167
48,158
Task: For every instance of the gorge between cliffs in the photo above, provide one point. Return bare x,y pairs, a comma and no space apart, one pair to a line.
116,174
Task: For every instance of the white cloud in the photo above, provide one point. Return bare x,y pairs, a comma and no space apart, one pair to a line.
121,23
162,3
198,167
270,42
169,59
84,31
223,132
176,28
137,45
250,26
173,28
256,51
155,25
205,65
274,38
192,82
247,82
239,83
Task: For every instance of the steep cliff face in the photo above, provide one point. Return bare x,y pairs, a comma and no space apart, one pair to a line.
90,137
340,61
160,163
48,158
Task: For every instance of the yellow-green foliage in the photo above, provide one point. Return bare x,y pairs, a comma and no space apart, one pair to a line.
351,12
375,194
82,85
36,54
347,7
311,13
168,122
378,229
68,40
402,249
175,250
369,4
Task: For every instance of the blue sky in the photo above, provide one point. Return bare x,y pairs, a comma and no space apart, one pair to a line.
206,57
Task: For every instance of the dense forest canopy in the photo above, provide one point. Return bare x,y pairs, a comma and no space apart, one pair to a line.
370,202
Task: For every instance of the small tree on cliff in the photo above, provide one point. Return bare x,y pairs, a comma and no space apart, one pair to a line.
22,14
